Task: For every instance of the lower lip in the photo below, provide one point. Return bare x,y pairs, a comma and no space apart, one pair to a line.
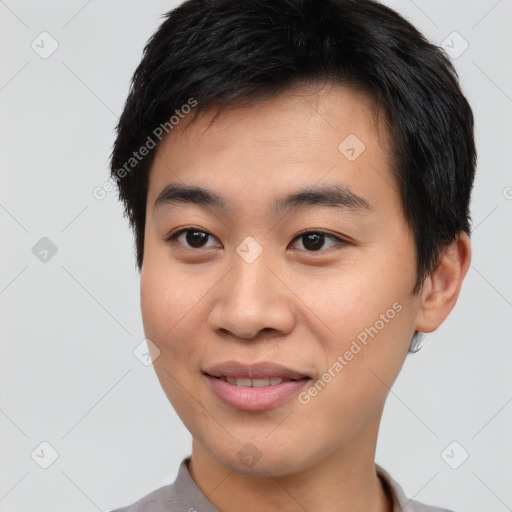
255,399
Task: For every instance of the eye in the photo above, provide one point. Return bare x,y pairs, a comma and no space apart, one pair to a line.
317,240
192,238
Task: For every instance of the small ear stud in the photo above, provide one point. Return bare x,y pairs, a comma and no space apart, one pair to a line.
416,342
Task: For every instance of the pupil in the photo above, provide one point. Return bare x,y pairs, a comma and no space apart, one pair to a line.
196,238
313,241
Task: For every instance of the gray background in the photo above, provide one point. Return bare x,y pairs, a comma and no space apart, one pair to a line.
69,324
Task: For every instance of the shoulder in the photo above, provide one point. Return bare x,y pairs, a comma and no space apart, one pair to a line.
398,498
416,506
160,500
181,496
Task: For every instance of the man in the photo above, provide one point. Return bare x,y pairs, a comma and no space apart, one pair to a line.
298,177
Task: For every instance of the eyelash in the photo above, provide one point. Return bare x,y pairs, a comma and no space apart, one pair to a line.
339,241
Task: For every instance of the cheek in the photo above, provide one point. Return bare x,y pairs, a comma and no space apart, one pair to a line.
154,301
347,301
171,318
166,303
358,373
366,315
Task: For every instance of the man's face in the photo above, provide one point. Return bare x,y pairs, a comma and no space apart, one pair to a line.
320,286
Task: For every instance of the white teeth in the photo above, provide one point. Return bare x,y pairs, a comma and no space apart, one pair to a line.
255,383
259,383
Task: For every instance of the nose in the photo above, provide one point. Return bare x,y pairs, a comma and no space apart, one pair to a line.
252,298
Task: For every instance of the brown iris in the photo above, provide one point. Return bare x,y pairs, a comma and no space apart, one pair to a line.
313,241
196,239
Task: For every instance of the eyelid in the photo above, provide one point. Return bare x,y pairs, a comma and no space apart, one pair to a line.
320,232
340,241
171,237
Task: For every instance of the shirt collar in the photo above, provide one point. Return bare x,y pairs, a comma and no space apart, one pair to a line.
394,492
190,497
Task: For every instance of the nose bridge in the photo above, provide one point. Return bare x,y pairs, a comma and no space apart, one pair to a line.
249,267
251,280
250,276
251,297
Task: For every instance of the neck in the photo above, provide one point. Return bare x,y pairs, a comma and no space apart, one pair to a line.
344,480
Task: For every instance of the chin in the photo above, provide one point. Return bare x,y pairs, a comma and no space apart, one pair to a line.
261,458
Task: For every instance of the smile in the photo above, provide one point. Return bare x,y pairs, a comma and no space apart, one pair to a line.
254,387
254,383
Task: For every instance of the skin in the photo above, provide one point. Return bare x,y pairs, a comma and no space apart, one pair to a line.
291,306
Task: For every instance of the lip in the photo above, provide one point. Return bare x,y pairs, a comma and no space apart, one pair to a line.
254,398
261,370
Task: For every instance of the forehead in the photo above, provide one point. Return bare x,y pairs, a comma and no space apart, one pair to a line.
331,134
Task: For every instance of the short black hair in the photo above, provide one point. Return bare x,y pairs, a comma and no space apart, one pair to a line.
221,52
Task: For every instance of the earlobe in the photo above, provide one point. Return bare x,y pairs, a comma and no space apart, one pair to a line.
442,287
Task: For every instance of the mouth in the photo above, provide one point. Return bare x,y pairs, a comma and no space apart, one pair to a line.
255,371
254,387
252,383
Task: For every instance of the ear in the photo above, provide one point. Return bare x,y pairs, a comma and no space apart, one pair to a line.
441,288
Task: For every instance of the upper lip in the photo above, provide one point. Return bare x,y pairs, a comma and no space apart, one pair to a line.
253,371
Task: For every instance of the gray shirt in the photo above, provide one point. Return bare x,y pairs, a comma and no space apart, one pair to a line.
184,496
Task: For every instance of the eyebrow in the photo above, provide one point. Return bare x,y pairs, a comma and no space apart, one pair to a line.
325,196
329,195
174,194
